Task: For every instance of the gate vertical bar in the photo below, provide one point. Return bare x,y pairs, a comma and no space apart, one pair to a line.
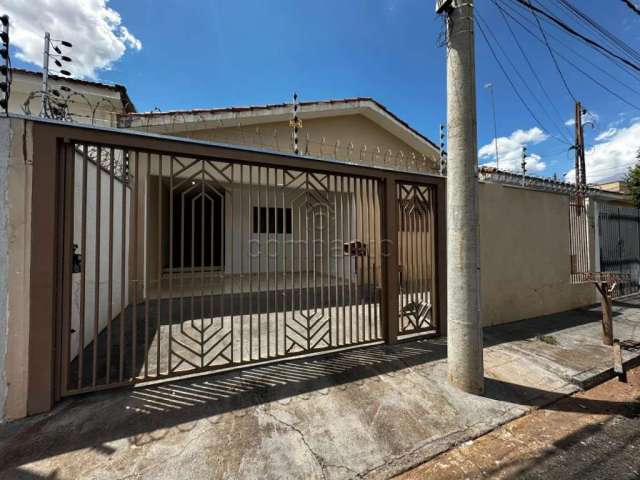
96,313
145,257
171,268
110,266
335,306
123,252
389,245
620,241
159,268
135,226
64,325
83,275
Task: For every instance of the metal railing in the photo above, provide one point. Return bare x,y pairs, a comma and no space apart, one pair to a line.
619,232
579,239
176,257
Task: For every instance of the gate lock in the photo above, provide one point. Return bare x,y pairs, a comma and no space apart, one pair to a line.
76,260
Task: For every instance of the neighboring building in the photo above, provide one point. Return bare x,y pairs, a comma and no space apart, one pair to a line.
615,186
88,102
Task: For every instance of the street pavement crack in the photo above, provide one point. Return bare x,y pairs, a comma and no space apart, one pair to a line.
324,466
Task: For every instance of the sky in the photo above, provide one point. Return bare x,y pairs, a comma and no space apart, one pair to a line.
186,54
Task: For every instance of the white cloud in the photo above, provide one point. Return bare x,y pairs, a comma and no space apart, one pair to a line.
613,155
510,150
606,134
95,30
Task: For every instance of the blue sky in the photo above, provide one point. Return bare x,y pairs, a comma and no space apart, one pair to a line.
238,52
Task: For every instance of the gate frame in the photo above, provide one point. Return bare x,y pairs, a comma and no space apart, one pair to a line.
48,276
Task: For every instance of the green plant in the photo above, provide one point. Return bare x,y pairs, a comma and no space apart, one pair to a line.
632,182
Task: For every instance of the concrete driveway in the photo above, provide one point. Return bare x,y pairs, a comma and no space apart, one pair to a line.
369,412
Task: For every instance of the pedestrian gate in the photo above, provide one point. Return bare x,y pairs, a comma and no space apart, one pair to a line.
619,239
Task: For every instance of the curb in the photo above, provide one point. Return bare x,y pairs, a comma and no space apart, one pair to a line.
591,378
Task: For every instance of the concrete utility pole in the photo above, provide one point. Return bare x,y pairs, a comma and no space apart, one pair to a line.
464,332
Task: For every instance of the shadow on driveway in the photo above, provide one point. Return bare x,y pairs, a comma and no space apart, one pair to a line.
94,420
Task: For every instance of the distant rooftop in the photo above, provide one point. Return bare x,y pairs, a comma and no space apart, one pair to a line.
273,107
128,105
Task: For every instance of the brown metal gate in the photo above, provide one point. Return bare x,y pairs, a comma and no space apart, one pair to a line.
175,264
416,258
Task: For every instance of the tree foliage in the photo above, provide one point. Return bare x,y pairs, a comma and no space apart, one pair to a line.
632,182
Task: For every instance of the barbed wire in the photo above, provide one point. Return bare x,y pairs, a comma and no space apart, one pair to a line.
61,106
324,147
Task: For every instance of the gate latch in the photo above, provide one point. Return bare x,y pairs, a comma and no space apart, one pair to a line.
76,260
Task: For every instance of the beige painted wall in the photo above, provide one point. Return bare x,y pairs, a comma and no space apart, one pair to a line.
347,137
16,207
524,245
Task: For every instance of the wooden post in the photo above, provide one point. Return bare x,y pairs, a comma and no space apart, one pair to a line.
618,364
607,322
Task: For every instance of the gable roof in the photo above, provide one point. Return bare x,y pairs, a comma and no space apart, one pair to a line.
255,114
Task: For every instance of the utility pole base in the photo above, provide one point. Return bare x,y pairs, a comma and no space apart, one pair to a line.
466,385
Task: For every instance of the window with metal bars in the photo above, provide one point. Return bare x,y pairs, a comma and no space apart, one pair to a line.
272,220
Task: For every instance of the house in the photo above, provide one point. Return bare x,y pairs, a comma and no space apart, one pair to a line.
359,130
614,186
196,240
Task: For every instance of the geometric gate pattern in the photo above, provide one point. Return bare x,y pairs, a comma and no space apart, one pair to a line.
184,265
416,252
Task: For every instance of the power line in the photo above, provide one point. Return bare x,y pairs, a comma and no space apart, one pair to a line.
606,170
511,12
504,71
520,76
606,35
597,82
575,33
632,6
532,70
553,57
611,169
603,32
624,68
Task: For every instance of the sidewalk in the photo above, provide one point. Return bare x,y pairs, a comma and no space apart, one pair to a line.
372,412
588,436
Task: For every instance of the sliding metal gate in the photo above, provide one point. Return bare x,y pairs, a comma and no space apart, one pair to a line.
619,236
184,264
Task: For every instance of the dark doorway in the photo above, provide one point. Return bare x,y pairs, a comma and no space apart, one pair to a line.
198,228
